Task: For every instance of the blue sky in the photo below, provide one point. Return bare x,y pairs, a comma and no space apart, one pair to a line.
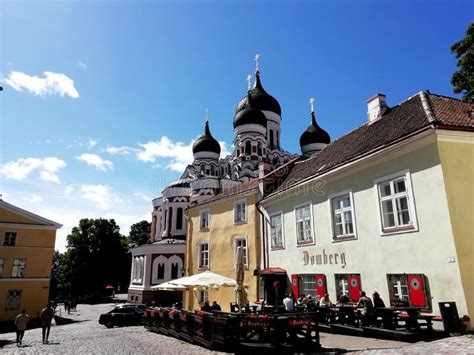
138,75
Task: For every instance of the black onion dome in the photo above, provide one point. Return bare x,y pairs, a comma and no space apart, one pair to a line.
206,143
250,115
314,134
261,100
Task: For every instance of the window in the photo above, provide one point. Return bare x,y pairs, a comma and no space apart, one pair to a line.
342,212
348,285
204,219
19,266
202,297
396,203
138,263
174,270
179,218
10,239
170,221
204,255
308,285
13,299
276,230
241,242
2,262
409,290
272,145
247,147
161,271
240,212
303,224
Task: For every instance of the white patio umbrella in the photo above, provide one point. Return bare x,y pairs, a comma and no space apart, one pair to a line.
168,286
204,279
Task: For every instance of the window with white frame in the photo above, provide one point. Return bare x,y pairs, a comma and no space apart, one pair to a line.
204,255
202,296
13,299
241,242
138,266
204,219
19,266
9,239
396,205
342,212
342,285
2,262
303,224
398,288
240,212
307,285
276,230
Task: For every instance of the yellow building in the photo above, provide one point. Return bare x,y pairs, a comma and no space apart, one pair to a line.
216,228
26,253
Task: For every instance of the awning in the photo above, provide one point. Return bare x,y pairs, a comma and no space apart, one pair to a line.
273,271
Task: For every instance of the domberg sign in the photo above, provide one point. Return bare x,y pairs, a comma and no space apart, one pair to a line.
324,259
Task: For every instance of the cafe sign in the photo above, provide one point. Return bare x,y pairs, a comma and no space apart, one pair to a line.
324,258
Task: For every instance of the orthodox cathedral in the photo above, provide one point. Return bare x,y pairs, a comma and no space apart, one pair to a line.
256,141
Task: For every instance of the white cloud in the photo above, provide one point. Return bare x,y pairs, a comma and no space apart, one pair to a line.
123,150
22,168
97,161
50,84
102,195
142,196
33,199
91,143
178,154
82,64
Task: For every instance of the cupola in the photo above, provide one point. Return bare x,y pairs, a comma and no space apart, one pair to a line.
261,100
250,115
314,139
206,146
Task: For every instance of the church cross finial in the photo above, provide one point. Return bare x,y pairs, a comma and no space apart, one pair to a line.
311,103
207,115
249,77
257,64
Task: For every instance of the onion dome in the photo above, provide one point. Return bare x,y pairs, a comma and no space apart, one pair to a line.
206,143
261,100
314,134
250,115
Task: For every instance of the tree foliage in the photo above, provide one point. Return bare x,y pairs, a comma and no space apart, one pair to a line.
463,79
96,256
139,233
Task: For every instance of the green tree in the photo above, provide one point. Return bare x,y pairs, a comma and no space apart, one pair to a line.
463,79
96,256
139,233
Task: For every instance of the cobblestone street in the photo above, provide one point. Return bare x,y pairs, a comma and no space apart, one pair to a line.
86,336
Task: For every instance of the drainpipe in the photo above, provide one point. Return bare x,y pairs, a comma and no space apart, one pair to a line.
264,249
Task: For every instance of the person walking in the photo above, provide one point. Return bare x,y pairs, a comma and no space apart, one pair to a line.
46,316
21,322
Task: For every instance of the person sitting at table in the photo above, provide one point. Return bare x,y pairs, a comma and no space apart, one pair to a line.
215,306
343,299
325,301
288,303
378,302
367,310
206,308
300,301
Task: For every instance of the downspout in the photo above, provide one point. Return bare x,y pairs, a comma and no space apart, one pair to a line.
264,249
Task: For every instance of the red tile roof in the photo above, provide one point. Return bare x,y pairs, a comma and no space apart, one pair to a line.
417,113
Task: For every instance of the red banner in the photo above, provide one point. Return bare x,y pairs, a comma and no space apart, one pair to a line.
354,287
416,290
321,285
295,286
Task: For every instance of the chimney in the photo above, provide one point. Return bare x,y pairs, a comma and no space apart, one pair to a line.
376,106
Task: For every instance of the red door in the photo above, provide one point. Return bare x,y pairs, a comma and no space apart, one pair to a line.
321,285
416,290
295,286
354,287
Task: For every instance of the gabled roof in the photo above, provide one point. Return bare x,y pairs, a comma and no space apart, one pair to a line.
34,218
421,111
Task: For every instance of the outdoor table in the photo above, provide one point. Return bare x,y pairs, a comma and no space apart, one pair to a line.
390,315
345,314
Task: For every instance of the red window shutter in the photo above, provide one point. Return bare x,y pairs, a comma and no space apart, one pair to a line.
416,290
295,286
354,287
321,285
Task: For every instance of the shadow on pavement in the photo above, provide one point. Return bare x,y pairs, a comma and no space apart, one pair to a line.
5,342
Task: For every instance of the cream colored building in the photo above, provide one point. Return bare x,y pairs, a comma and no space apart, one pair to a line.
386,207
26,254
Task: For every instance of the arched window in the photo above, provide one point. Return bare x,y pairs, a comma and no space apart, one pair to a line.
179,218
271,139
278,139
161,271
212,170
248,148
174,271
170,221
202,168
259,149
